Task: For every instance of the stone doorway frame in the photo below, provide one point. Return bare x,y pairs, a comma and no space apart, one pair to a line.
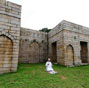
54,51
84,45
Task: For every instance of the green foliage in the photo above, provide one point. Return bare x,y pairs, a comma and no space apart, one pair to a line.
45,30
35,76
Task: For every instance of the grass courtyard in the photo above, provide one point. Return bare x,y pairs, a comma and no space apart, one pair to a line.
35,76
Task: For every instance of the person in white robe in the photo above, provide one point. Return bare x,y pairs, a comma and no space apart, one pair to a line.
49,68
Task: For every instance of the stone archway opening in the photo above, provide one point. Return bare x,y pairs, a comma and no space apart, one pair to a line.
6,52
70,55
84,52
34,54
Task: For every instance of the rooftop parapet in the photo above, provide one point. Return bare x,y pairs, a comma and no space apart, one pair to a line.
69,26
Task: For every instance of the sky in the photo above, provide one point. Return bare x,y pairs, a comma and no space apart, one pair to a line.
38,14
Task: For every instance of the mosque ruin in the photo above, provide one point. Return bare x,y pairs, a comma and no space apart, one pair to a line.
66,44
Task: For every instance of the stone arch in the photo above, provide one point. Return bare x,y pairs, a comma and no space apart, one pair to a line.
6,52
70,55
34,53
7,35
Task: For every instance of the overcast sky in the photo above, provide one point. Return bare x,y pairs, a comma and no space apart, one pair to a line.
38,14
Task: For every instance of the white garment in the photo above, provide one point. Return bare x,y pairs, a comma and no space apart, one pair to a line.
49,66
52,72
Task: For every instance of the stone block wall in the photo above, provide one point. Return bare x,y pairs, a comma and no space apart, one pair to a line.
74,34
56,35
74,39
10,19
33,46
69,37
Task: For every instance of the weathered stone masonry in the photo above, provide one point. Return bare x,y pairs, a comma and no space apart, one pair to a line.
72,44
33,46
66,44
9,36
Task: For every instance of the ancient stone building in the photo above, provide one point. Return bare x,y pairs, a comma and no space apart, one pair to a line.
66,44
69,44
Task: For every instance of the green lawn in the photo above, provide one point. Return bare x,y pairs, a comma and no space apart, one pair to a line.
35,76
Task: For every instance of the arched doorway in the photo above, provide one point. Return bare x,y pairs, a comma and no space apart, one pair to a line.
70,55
34,52
6,52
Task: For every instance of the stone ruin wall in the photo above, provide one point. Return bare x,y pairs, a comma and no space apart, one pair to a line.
73,35
69,34
56,35
33,46
10,19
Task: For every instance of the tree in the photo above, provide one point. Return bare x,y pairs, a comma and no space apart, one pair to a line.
45,30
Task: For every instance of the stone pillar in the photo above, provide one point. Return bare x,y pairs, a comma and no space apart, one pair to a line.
77,55
2,1
60,52
10,20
